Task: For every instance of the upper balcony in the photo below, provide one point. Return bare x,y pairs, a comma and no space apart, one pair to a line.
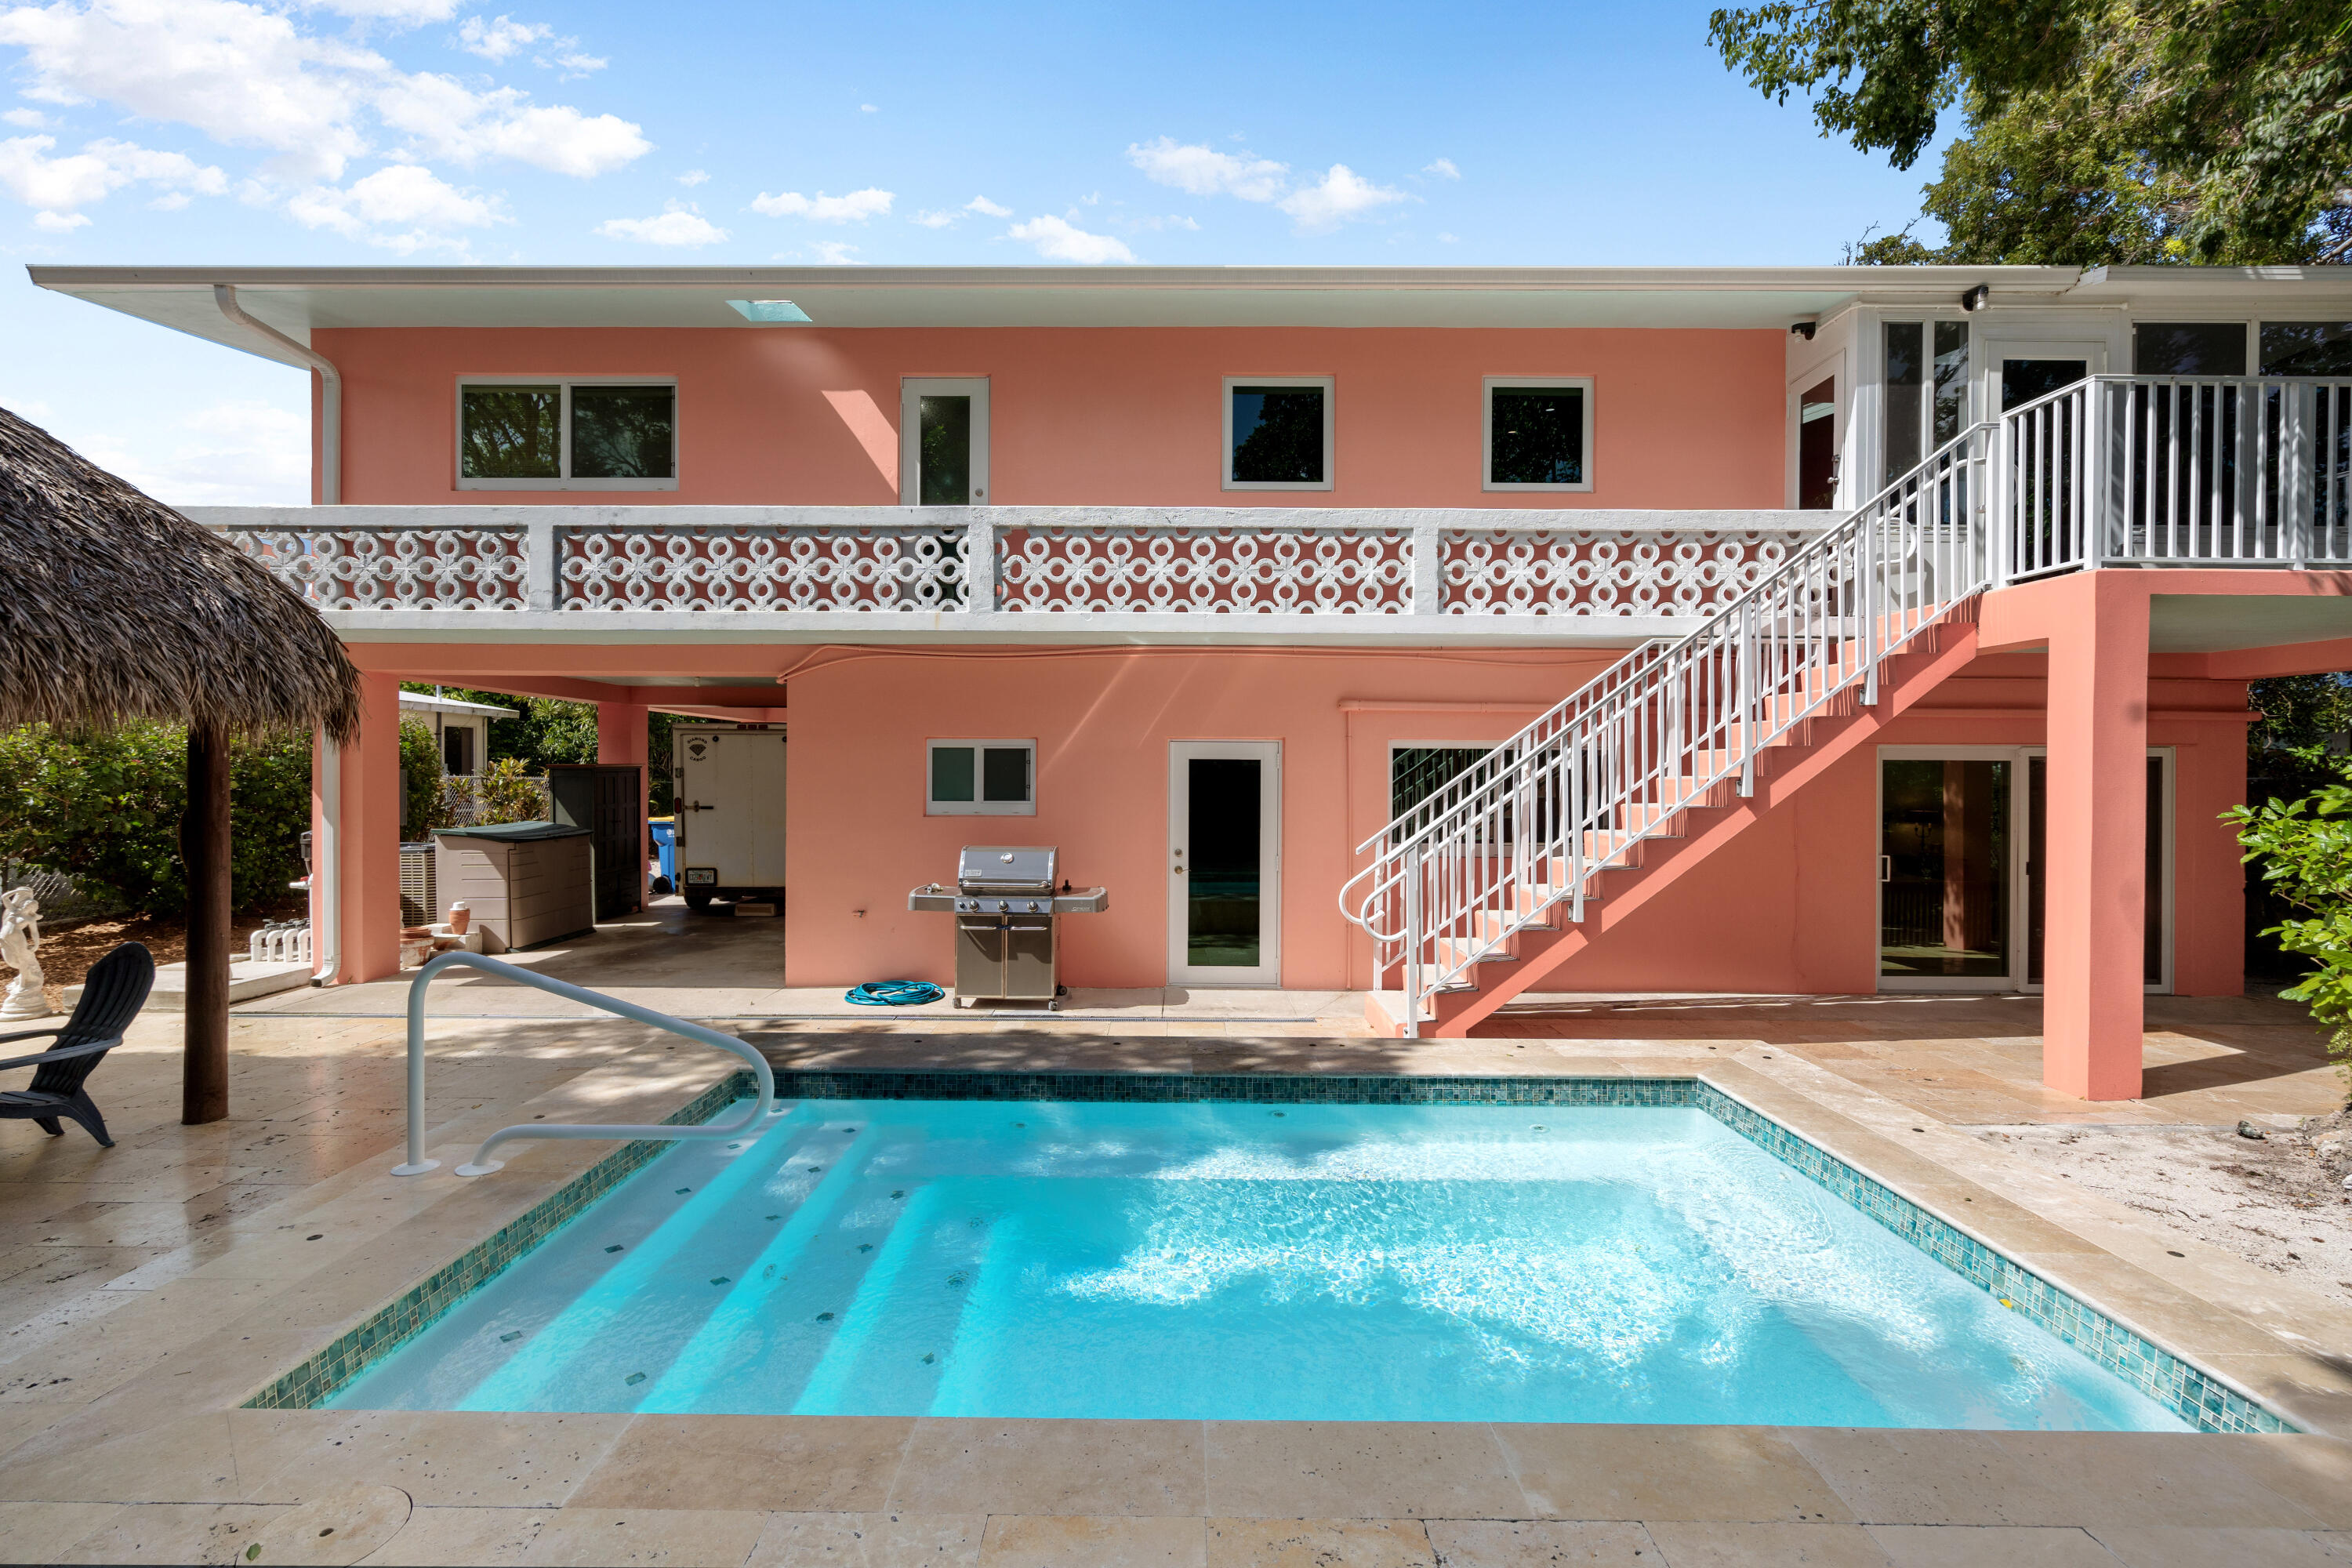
1012,574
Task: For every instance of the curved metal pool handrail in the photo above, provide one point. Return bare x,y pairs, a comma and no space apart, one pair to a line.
482,1164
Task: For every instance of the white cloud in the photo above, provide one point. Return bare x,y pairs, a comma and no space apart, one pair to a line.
500,37
78,179
60,223
405,13
855,207
404,207
678,224
1449,239
986,208
171,201
1202,171
1339,195
246,75
1060,240
868,108
227,454
29,118
575,64
1441,168
1153,225
835,252
935,219
693,177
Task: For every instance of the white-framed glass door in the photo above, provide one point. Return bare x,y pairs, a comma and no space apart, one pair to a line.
943,441
1961,831
1225,863
2019,370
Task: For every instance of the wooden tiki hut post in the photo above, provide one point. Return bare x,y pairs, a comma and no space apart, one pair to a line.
114,606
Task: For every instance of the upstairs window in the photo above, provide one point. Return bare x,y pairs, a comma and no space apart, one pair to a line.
1539,433
1926,390
524,435
981,778
2189,348
1278,433
2307,348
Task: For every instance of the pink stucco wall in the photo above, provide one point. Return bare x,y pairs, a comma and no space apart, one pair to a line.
1683,418
1789,906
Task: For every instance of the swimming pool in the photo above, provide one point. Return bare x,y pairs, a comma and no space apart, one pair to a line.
1434,1262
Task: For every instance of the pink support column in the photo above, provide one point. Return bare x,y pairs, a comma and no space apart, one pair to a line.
622,740
369,856
2097,860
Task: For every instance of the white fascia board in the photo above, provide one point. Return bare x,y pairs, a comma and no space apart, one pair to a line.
1003,629
294,300
422,702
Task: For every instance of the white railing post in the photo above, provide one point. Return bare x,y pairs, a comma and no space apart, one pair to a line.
542,569
1428,568
2297,500
1413,873
979,543
1748,696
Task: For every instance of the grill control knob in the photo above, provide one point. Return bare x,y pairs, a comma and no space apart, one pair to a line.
1001,907
1033,906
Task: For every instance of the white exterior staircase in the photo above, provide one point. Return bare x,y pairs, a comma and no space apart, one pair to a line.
1513,868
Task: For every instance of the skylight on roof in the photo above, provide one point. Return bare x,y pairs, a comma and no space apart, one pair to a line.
770,311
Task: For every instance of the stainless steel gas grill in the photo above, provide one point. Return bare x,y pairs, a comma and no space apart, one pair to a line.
1006,905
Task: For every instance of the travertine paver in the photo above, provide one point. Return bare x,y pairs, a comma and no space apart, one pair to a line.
146,1290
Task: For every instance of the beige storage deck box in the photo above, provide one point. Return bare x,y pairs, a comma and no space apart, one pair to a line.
526,882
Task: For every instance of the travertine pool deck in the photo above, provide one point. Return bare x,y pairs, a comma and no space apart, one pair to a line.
147,1290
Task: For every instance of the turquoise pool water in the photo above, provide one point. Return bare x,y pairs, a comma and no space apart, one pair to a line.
1230,1261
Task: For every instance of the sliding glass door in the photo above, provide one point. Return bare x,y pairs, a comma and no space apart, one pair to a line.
1962,844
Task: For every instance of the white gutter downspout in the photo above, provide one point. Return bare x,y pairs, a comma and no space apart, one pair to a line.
331,396
326,866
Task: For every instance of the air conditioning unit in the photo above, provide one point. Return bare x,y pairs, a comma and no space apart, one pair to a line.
419,905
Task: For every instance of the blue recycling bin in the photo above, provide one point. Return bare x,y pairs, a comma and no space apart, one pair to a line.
665,831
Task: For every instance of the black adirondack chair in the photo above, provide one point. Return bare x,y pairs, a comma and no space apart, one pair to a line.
111,994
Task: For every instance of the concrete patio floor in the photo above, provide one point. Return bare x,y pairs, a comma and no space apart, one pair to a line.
149,1290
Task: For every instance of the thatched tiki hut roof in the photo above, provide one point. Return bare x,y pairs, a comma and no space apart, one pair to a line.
114,606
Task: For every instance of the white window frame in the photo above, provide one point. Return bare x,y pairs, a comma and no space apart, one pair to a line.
565,383
1487,480
2158,902
1329,386
976,807
912,390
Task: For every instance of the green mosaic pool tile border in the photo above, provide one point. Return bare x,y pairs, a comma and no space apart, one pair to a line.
415,1309
1248,1089
2182,1389
2186,1391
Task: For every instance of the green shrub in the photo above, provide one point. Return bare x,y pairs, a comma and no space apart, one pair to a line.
103,806
2304,851
510,793
427,804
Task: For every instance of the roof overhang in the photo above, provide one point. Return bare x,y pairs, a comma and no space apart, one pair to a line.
300,301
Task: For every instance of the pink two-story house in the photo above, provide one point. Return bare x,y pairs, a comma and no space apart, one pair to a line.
1444,635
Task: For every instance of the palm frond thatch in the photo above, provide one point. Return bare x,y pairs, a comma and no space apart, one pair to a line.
114,606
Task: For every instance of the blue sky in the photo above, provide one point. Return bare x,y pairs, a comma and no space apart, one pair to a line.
382,131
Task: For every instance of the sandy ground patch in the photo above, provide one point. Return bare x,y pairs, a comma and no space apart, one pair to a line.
2279,1202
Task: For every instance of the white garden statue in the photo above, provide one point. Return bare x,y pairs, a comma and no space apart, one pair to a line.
20,942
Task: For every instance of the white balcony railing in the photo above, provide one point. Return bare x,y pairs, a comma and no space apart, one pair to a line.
1015,563
2123,471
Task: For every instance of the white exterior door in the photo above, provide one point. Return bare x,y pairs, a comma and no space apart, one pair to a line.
943,441
1224,858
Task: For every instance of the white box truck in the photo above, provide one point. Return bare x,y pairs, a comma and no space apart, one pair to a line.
727,785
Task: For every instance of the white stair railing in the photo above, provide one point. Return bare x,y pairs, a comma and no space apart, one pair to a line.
1526,831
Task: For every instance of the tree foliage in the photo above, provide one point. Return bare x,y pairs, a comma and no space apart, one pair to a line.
2303,848
2095,131
103,806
